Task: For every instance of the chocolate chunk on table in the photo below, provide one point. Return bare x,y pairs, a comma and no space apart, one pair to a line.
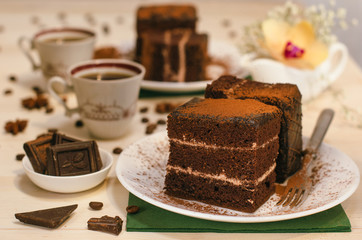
50,218
36,152
106,224
74,158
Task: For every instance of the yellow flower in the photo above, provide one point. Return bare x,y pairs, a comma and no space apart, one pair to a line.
295,46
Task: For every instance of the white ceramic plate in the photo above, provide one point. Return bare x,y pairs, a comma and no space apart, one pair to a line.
219,52
141,170
70,184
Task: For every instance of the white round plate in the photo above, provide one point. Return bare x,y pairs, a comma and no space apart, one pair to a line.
219,52
141,170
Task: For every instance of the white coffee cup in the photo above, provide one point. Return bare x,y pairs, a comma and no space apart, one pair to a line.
310,82
106,107
58,48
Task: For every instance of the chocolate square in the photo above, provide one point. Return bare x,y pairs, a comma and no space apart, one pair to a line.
61,138
36,152
74,158
106,224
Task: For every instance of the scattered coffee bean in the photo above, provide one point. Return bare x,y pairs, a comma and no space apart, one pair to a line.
13,78
161,122
143,109
105,28
49,109
35,20
232,34
120,20
79,123
117,150
62,16
20,156
96,205
145,120
132,209
151,128
166,107
8,91
16,126
225,23
38,90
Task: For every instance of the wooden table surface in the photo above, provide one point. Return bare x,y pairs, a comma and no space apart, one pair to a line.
223,21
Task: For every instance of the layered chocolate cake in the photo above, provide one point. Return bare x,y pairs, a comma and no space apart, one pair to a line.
174,55
168,45
223,152
284,96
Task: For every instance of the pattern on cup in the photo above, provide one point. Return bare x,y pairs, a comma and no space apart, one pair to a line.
106,112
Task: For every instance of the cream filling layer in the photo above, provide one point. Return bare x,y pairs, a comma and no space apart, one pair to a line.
194,143
223,177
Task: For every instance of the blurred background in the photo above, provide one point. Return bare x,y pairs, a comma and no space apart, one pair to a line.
349,31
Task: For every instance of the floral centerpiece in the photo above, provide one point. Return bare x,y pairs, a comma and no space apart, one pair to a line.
301,45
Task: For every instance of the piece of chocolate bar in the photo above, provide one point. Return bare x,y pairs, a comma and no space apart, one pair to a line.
61,138
36,152
106,224
74,158
50,218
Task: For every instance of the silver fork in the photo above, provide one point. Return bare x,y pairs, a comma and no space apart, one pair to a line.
299,185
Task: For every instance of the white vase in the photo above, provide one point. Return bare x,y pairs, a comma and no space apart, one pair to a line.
310,82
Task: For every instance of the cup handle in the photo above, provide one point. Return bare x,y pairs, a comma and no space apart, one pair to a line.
26,49
336,68
68,111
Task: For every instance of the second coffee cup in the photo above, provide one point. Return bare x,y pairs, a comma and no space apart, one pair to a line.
107,92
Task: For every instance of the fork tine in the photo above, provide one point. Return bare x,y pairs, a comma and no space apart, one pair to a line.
290,196
304,197
297,197
284,196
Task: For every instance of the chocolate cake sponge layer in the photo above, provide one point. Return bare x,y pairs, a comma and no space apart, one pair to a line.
229,123
161,55
284,96
218,192
238,164
166,17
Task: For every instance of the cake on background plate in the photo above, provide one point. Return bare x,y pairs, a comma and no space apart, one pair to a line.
284,96
168,45
223,151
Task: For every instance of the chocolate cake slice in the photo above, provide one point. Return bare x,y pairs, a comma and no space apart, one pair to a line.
284,96
174,55
50,218
223,152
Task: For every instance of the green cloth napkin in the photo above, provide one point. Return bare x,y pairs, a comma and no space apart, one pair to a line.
153,219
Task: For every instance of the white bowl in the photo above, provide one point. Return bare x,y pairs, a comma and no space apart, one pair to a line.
69,184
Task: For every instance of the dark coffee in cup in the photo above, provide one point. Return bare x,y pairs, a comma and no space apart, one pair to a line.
63,40
104,76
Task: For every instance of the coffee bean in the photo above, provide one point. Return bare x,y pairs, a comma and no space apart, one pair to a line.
132,209
13,78
161,122
79,123
144,109
151,128
96,205
144,120
8,91
117,150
